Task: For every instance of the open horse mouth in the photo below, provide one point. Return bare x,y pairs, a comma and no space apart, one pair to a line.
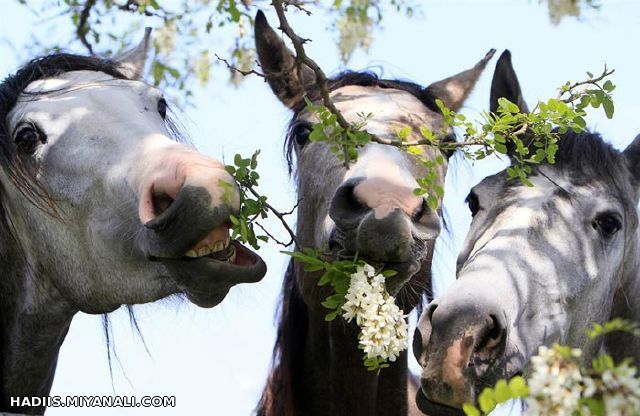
207,271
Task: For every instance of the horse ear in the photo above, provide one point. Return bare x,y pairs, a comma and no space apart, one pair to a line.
287,80
632,157
454,90
132,61
505,84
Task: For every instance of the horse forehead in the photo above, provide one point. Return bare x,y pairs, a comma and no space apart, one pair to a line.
550,196
73,92
384,104
77,80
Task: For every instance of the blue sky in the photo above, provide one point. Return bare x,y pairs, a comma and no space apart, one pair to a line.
216,360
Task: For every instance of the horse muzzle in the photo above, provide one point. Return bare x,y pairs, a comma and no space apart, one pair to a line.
396,230
461,348
191,238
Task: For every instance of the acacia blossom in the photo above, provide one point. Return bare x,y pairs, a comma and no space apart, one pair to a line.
383,329
560,387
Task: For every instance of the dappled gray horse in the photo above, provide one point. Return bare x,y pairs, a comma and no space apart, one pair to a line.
539,265
369,209
99,207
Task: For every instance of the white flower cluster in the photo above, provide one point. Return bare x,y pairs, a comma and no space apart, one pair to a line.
558,387
383,329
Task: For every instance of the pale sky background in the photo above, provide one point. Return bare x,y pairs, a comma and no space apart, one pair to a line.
216,360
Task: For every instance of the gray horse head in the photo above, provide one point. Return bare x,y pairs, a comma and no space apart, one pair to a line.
370,208
99,207
539,265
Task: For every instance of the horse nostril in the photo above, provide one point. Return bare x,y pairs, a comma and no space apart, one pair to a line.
420,211
161,202
491,337
346,210
417,344
431,310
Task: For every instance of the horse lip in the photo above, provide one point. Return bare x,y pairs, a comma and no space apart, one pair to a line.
430,407
206,280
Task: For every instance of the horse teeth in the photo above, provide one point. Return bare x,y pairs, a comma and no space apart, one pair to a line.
227,242
232,257
203,251
191,253
217,246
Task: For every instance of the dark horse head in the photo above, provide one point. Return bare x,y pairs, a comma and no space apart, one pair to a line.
540,265
99,207
369,209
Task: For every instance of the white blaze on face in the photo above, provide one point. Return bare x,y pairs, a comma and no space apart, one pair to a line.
388,171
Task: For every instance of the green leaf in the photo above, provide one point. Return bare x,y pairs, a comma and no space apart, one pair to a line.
596,406
432,202
500,148
389,273
485,400
607,105
332,315
608,86
502,393
404,132
470,410
518,387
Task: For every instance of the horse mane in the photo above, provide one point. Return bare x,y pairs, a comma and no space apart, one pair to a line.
588,155
288,353
363,79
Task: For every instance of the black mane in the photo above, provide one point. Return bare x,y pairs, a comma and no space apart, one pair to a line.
362,79
588,155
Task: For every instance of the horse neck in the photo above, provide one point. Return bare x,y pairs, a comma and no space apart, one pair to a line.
320,369
626,305
33,324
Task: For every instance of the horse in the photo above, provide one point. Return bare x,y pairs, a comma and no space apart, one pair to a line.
369,208
540,265
100,205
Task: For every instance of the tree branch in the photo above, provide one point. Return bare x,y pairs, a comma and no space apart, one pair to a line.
321,79
593,81
281,216
83,25
238,70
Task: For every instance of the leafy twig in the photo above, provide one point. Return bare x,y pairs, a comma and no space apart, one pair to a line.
280,215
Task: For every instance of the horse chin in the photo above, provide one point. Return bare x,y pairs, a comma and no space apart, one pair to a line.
404,272
419,260
206,280
430,407
417,268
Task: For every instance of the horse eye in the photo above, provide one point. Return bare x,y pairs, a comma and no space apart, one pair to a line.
301,134
473,203
162,108
446,142
607,224
28,138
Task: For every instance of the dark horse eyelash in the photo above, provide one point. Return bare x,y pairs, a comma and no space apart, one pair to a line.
33,125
